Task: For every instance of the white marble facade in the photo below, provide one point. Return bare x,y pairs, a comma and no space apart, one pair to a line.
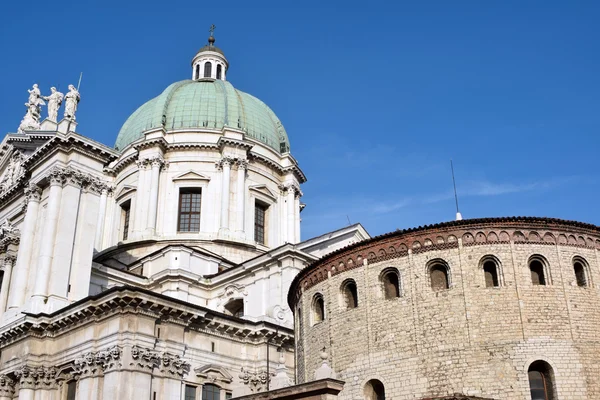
89,312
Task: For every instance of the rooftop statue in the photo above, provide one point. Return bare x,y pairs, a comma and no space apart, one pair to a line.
35,97
71,100
54,102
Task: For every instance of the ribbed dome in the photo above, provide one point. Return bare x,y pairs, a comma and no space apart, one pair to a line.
205,104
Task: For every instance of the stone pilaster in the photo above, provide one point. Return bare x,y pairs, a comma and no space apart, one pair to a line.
225,165
21,270
242,165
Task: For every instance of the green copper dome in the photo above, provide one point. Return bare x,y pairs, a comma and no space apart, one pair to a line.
205,104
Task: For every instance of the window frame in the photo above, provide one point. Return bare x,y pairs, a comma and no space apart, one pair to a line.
212,385
321,312
547,374
499,271
207,67
382,276
545,270
125,222
185,394
192,191
448,275
349,295
585,269
258,204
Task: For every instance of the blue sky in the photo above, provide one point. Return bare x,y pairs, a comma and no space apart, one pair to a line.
376,97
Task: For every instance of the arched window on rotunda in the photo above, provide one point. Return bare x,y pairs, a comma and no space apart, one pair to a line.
390,281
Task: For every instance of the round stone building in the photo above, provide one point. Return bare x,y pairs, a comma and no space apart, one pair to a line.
502,308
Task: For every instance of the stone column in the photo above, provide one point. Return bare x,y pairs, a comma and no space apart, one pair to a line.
291,218
9,260
297,217
225,164
21,270
241,198
101,219
156,163
48,236
137,219
7,388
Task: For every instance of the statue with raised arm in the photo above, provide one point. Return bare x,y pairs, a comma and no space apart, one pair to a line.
54,101
71,100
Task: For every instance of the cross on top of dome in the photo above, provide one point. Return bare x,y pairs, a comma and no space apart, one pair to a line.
210,61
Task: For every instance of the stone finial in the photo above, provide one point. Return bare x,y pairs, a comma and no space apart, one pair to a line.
324,371
281,378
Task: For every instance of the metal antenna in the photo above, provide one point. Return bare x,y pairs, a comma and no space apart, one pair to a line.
348,220
458,215
79,83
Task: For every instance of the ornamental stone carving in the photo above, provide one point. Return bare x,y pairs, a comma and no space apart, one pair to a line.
152,162
7,386
13,172
144,358
96,363
31,120
36,377
32,193
71,102
293,187
225,161
71,176
174,365
255,380
241,163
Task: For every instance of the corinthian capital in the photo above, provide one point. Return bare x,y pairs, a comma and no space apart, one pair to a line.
291,187
225,161
7,386
144,358
33,192
57,176
241,163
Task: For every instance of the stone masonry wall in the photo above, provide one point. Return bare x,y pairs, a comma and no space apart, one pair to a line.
468,339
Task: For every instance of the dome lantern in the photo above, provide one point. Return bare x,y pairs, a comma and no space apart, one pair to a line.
209,62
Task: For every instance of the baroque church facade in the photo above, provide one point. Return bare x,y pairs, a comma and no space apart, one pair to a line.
157,269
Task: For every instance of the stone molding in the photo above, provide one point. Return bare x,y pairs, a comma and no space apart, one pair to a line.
170,364
124,300
97,363
451,235
7,386
36,377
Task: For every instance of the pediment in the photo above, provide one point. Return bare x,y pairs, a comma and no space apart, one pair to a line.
125,190
264,190
191,176
212,372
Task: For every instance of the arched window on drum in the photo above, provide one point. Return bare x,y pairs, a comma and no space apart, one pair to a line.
390,283
439,275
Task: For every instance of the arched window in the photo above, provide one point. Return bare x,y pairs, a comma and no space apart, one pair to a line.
235,308
374,390
197,74
349,294
318,309
438,273
538,271
207,69
219,68
211,392
390,280
581,272
490,271
541,379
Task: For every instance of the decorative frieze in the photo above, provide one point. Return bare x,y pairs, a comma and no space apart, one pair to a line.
144,358
95,363
174,365
147,359
36,377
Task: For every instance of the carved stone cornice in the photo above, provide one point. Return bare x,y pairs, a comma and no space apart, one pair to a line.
36,377
7,386
96,363
145,359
